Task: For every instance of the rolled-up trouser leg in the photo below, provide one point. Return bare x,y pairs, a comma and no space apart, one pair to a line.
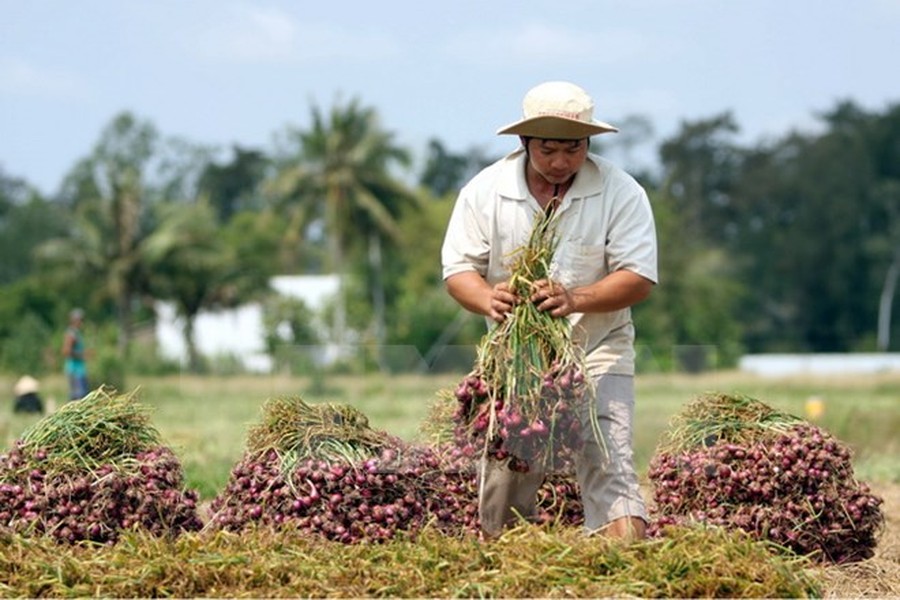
605,471
504,495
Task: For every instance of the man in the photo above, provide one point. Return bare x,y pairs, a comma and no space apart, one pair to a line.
605,262
73,351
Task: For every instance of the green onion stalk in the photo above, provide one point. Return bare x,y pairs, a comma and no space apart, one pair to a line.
524,396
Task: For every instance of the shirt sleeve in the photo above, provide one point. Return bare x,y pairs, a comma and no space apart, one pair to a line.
632,238
466,242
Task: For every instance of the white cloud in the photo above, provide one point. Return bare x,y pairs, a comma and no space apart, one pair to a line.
254,34
538,44
21,78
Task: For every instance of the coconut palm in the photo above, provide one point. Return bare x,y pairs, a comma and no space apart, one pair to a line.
195,267
107,192
340,176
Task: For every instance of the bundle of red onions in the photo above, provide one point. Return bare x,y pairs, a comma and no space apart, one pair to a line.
542,429
737,463
321,469
91,470
525,397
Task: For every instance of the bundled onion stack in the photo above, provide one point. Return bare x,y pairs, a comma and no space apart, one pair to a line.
91,470
735,462
321,468
455,488
522,400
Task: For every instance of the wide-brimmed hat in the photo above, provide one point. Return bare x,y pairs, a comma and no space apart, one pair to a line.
557,110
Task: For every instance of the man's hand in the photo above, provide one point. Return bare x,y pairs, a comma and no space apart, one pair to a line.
502,301
475,294
552,296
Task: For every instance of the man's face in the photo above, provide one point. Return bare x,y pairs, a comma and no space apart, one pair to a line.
557,160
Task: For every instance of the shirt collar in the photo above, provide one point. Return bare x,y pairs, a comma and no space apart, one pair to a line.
588,180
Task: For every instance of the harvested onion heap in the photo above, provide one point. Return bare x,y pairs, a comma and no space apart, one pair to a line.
523,398
92,469
736,462
320,468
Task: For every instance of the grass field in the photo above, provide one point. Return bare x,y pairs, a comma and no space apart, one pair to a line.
206,419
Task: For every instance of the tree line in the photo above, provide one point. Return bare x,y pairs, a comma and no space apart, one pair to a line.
787,245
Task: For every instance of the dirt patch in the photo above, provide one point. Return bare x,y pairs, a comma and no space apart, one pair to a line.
878,577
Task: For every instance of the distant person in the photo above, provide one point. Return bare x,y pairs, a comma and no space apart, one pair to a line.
73,350
27,398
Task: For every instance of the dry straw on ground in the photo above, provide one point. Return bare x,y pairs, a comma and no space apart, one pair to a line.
526,562
878,577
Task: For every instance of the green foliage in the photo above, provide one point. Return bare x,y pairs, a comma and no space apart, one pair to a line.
790,245
27,336
446,172
25,349
233,187
26,221
806,221
292,332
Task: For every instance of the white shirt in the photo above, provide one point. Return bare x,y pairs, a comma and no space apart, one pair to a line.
605,224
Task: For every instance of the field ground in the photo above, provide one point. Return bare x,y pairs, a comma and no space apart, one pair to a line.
878,577
206,419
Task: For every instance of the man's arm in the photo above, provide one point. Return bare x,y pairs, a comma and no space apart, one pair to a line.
616,291
475,294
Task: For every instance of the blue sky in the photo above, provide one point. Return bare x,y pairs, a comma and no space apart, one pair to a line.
220,72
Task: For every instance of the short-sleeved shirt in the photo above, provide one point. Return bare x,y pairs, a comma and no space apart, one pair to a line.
605,223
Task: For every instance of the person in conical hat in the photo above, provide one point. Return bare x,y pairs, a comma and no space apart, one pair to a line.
27,398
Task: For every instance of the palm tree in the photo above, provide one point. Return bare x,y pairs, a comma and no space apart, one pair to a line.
193,265
108,197
341,176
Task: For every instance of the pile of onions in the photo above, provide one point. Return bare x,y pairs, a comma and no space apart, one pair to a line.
321,469
372,500
91,470
742,465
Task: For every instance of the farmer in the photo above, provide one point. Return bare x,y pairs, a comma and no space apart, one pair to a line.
73,351
27,396
605,262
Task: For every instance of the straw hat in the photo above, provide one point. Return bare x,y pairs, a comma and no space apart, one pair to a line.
557,110
25,385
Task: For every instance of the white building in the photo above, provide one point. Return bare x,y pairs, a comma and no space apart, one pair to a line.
778,365
239,332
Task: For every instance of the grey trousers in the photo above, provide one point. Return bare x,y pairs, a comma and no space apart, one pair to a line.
604,471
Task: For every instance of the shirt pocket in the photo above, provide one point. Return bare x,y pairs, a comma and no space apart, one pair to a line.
580,264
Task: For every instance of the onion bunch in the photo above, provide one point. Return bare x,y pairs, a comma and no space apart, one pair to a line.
91,470
354,484
523,400
371,500
321,468
772,475
542,429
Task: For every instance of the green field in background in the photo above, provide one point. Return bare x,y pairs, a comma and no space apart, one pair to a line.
206,419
